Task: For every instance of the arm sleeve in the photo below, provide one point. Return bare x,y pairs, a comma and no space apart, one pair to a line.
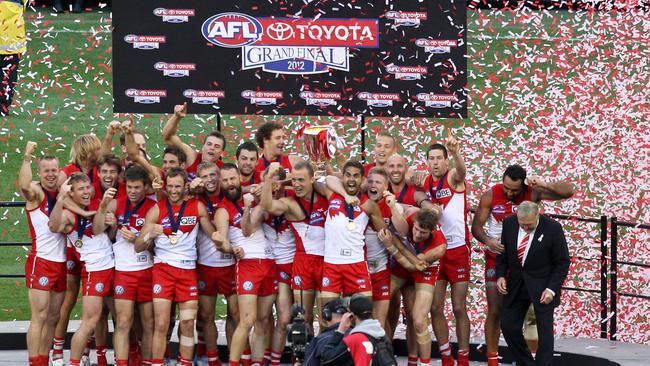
336,352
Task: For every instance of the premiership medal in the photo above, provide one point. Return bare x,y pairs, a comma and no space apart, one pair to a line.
175,224
83,222
350,211
79,243
351,225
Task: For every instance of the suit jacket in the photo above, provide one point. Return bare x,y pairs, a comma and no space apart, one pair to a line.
546,265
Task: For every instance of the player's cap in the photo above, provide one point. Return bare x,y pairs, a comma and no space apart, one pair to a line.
360,305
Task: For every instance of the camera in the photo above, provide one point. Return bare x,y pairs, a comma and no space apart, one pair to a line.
299,333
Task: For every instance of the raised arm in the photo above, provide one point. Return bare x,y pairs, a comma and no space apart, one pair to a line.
105,206
457,175
107,143
270,205
149,231
170,133
252,218
555,191
31,191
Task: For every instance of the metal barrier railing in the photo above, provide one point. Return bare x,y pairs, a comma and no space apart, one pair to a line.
605,311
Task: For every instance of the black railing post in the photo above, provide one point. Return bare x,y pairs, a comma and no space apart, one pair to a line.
613,286
219,121
603,277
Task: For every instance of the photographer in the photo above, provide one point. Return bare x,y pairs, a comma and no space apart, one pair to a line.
357,347
332,313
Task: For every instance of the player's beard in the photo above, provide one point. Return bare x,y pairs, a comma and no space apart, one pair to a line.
233,195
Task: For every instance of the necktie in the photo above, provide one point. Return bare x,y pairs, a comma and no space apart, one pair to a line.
521,249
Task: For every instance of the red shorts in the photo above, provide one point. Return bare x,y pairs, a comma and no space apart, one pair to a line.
133,285
285,273
43,274
428,276
307,272
380,285
490,266
73,264
216,280
257,277
346,278
98,283
173,283
454,265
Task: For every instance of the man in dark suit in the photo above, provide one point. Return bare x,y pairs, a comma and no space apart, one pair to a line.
531,269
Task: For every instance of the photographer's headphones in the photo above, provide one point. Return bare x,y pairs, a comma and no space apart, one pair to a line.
335,306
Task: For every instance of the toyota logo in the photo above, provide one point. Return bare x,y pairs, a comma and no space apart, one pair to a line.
280,31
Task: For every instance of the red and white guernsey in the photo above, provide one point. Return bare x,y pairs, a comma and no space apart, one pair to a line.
45,244
280,238
183,253
406,195
209,255
255,246
263,163
131,217
436,239
454,210
345,241
192,170
501,207
93,175
96,251
310,232
375,249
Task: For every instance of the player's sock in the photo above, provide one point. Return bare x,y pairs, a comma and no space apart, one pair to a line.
146,362
463,357
267,355
233,363
157,362
74,362
57,348
257,362
101,356
213,358
493,358
135,359
276,356
412,361
425,362
121,362
89,344
34,360
445,349
246,357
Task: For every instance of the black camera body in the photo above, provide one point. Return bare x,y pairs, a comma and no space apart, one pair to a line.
299,333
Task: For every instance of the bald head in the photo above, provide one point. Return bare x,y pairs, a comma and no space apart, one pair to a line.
396,167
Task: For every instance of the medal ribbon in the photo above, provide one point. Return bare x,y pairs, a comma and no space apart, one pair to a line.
51,201
311,208
128,213
82,222
170,214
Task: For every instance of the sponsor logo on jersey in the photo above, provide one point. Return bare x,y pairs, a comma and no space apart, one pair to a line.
407,72
248,285
436,46
43,281
406,18
119,290
139,222
174,15
145,96
145,42
262,97
174,70
188,220
320,99
291,45
438,100
99,287
443,193
204,96
378,100
499,209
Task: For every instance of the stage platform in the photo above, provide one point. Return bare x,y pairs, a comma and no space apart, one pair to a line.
568,351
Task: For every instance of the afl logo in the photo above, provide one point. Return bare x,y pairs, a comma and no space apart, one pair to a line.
43,281
234,30
119,290
99,287
248,285
157,288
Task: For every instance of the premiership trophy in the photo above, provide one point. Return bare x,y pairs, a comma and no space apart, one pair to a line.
321,143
